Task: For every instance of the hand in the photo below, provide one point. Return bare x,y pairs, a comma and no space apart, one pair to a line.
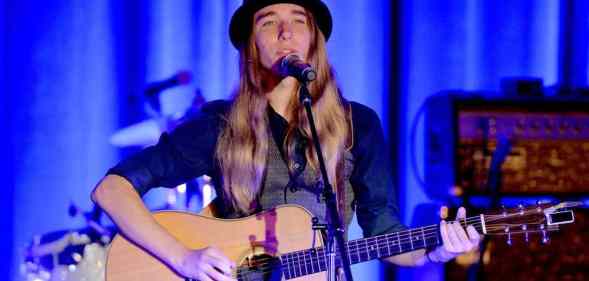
208,264
455,240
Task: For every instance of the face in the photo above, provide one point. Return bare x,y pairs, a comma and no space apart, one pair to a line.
279,30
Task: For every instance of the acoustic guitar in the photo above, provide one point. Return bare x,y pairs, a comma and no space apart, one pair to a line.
280,244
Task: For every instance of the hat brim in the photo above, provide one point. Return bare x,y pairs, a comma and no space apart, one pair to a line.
241,21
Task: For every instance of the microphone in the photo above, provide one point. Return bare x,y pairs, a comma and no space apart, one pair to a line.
180,78
292,65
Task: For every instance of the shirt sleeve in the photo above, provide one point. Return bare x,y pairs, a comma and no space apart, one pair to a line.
178,157
371,179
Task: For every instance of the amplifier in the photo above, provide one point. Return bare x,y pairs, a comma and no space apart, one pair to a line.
512,146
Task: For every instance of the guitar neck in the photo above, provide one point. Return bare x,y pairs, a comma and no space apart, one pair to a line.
300,263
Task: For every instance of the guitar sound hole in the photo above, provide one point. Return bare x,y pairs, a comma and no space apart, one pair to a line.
260,268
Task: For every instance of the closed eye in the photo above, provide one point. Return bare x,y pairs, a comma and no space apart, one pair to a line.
268,23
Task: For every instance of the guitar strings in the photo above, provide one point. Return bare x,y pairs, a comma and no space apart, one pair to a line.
295,257
299,257
319,261
402,235
312,263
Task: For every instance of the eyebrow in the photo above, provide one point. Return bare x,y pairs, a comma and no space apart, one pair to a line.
272,13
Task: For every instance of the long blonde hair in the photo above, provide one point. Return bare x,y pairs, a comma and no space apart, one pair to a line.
243,143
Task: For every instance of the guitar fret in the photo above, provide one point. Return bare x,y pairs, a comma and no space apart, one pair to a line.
384,246
301,257
357,252
361,252
326,257
432,239
312,261
324,260
374,247
316,259
298,265
415,240
286,262
388,246
399,243
389,237
364,251
393,242
378,245
349,253
315,251
350,246
305,263
368,249
423,237
293,265
411,240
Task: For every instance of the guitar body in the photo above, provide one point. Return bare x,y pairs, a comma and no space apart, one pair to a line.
267,234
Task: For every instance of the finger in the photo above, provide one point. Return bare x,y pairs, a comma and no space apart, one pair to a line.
473,234
443,212
445,236
220,256
461,214
220,265
216,275
203,277
465,243
454,238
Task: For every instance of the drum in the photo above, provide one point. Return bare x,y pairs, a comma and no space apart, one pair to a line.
67,255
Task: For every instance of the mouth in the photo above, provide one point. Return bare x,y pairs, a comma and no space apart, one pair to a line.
284,52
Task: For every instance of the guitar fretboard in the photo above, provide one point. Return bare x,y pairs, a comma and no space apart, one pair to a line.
305,262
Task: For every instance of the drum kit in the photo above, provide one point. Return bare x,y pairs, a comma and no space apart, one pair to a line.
80,254
69,255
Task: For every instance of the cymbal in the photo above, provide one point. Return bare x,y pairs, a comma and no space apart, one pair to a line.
144,133
147,132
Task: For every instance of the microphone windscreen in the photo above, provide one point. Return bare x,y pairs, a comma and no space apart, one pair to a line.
184,77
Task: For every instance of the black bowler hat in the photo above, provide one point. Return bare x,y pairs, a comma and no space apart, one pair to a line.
241,22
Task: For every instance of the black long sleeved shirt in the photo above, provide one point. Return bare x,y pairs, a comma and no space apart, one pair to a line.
188,152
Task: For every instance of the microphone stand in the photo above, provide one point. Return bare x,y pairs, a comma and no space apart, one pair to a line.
335,229
494,183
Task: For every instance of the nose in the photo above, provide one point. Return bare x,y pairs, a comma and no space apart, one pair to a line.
285,31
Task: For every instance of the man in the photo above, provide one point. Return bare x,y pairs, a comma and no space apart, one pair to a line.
256,148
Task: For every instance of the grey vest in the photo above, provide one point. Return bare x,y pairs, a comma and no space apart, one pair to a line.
305,191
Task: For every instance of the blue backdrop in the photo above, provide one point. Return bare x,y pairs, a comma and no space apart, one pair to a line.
77,70
72,74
